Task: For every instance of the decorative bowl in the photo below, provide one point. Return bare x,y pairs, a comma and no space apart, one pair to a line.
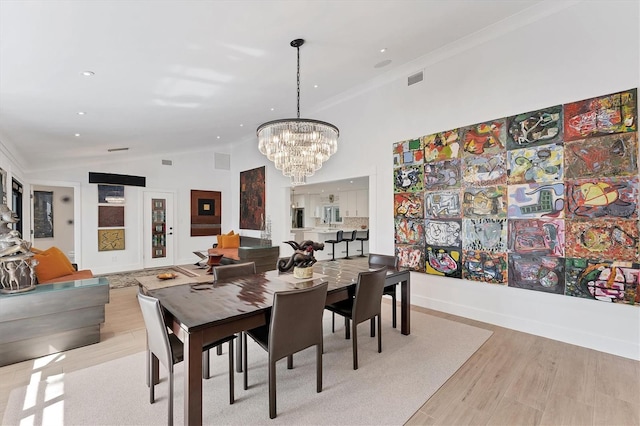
166,276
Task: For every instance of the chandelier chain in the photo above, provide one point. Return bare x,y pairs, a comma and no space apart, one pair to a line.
298,77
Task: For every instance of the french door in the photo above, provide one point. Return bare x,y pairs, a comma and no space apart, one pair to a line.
158,229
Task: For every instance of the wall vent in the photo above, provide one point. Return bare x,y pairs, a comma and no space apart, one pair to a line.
167,162
222,161
415,78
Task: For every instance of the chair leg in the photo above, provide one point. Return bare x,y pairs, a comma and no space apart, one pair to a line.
347,329
290,362
152,385
239,353
244,360
319,368
379,333
219,350
333,322
355,346
231,374
272,389
393,308
171,397
361,249
205,365
347,256
373,327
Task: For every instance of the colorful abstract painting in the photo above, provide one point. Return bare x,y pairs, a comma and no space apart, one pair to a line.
442,204
485,170
411,257
409,231
537,236
602,197
408,205
602,239
445,233
613,155
484,202
489,235
442,175
535,128
539,273
444,261
615,113
615,282
544,163
536,200
252,198
484,138
408,153
408,179
441,146
484,266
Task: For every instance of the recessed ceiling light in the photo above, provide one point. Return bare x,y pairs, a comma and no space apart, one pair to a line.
241,125
350,181
81,113
217,137
88,73
273,109
382,63
315,86
77,135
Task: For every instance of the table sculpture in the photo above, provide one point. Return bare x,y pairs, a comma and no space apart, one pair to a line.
17,264
302,259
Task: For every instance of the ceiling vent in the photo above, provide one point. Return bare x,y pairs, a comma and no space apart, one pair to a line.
415,78
167,162
117,149
222,161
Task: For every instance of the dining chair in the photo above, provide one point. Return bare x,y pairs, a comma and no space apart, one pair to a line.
230,271
375,261
295,324
169,350
365,305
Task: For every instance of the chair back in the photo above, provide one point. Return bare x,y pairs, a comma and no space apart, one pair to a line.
354,235
296,320
382,259
340,236
369,291
157,336
237,270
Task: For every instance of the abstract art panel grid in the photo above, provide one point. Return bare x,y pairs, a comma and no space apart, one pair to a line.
544,200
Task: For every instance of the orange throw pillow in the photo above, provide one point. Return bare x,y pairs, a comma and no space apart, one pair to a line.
221,243
52,263
231,241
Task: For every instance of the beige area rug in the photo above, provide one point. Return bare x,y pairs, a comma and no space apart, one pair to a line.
388,388
128,279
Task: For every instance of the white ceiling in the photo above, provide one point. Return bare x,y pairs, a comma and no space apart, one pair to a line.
176,75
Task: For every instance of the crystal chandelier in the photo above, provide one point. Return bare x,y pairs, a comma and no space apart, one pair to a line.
298,146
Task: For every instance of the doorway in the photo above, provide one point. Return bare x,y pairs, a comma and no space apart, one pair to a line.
158,229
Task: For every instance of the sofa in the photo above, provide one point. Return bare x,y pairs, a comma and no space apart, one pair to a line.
249,249
54,267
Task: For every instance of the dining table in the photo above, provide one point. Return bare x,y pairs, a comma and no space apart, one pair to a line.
200,312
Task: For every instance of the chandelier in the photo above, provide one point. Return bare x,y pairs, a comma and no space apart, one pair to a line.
298,146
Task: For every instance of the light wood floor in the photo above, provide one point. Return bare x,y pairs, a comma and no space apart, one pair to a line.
513,379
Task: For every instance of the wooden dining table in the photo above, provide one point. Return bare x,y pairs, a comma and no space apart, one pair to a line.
200,313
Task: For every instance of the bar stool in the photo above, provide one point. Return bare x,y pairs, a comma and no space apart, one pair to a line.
362,240
334,242
350,240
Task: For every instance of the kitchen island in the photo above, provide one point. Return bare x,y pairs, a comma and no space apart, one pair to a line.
323,234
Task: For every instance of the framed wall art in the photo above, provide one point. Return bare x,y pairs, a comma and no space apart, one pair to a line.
42,214
206,212
252,198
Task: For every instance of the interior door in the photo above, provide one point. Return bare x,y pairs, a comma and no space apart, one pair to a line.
158,229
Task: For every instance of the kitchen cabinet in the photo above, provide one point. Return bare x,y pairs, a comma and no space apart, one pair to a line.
355,203
315,209
299,201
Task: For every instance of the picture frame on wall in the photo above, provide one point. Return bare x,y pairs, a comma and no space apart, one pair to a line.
252,198
206,212
42,214
111,194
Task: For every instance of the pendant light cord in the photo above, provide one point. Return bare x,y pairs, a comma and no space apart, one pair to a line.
298,76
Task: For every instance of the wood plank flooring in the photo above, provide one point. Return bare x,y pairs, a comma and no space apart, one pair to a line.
513,379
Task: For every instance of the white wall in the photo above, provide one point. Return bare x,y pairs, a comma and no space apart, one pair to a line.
193,170
577,51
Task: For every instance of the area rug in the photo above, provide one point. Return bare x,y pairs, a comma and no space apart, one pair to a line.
127,279
388,388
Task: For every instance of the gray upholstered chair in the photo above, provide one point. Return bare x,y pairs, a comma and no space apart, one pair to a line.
295,324
229,271
169,349
364,306
377,260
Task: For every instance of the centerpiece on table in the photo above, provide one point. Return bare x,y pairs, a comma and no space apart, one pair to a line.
302,259
17,262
